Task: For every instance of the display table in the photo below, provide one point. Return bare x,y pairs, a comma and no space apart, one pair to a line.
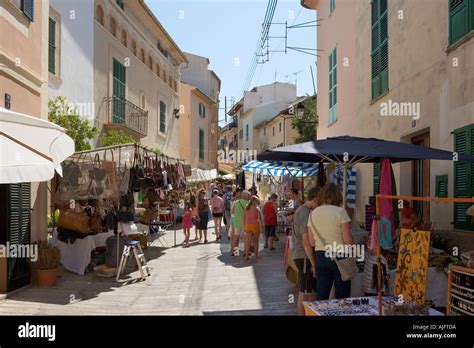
76,257
436,286
346,307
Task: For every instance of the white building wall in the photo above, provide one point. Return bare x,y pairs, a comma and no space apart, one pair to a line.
76,64
269,93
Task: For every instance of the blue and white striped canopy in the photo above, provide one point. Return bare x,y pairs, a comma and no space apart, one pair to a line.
298,169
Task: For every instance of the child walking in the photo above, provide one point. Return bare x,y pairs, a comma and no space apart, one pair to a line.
187,223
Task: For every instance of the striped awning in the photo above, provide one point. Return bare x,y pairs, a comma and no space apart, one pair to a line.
298,169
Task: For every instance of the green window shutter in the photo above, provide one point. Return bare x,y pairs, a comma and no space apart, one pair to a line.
376,176
19,204
463,141
162,117
332,86
118,91
201,144
120,3
52,47
441,186
28,8
379,48
458,19
332,5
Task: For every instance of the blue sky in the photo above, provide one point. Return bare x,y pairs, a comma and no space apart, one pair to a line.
226,31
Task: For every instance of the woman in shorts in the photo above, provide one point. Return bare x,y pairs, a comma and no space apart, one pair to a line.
252,223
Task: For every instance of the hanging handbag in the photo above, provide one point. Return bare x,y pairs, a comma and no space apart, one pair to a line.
97,173
347,266
72,220
110,219
148,216
125,216
71,173
127,201
137,173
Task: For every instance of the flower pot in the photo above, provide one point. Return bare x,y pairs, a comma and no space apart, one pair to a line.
47,277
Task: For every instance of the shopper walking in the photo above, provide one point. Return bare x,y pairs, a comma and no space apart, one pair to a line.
217,204
187,222
192,201
203,215
329,223
302,253
228,197
252,223
238,220
270,220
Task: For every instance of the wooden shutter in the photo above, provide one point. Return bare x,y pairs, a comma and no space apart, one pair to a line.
52,46
458,19
376,176
18,232
441,186
28,8
379,47
462,177
332,86
119,87
201,144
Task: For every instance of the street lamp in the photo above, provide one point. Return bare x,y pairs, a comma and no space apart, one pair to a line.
300,111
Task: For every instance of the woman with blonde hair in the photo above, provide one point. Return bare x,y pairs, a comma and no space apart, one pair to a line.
252,223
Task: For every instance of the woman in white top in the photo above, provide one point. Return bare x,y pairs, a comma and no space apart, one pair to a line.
329,224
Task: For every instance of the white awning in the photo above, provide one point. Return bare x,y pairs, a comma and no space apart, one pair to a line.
200,175
31,148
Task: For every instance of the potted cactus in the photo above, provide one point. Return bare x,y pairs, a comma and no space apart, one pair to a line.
49,258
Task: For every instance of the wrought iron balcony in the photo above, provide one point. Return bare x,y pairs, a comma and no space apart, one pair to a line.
125,113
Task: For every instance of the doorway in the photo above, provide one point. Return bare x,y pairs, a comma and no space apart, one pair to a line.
421,179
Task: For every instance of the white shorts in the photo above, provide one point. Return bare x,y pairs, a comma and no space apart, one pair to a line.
237,232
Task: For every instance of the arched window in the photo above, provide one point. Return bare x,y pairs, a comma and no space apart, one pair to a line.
143,102
142,55
99,15
113,26
158,69
150,62
164,75
124,37
134,47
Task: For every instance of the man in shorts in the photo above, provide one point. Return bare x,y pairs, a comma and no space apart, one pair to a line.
270,220
238,220
303,254
228,196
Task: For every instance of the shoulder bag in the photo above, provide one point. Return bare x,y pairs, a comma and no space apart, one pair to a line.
347,267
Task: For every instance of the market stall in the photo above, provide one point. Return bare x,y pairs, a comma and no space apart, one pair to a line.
125,189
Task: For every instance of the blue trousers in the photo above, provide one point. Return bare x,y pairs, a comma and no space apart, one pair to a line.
328,274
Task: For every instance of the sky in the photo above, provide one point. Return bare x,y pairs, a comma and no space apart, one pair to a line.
227,31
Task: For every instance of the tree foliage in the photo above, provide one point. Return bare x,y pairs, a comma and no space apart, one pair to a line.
306,127
116,138
65,114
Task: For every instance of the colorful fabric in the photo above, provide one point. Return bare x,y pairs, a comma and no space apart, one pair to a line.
412,266
386,205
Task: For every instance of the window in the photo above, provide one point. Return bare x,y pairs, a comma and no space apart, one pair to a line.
463,176
273,131
150,62
169,80
441,186
134,47
332,5
118,92
279,126
461,19
100,15
124,38
142,55
113,27
162,117
164,75
333,86
379,55
120,3
202,110
376,176
246,132
52,46
158,69
241,133
27,7
201,144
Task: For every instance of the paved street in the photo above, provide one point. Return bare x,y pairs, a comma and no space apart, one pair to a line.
199,280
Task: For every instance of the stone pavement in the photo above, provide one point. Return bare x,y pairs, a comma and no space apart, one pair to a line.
202,279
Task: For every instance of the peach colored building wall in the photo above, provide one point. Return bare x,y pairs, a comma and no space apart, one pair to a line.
24,76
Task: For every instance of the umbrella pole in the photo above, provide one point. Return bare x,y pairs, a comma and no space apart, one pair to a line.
344,184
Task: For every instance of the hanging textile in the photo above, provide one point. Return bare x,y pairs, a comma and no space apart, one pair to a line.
387,220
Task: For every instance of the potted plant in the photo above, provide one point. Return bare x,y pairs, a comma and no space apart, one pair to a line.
49,258
53,220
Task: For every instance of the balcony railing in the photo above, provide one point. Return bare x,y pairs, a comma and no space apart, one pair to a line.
123,112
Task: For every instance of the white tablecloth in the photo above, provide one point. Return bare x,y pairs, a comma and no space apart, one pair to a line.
436,286
76,257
